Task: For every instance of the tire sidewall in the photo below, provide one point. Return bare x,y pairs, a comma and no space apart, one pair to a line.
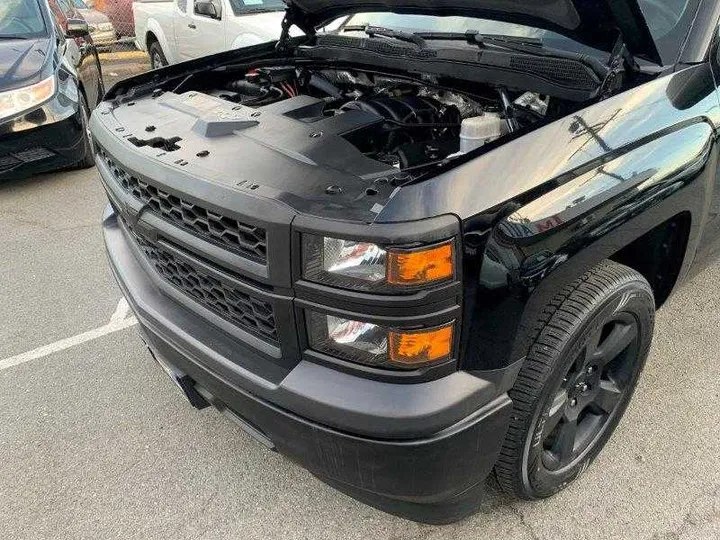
88,159
156,51
633,298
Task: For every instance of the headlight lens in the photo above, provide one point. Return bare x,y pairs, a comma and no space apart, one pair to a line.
369,267
14,102
374,345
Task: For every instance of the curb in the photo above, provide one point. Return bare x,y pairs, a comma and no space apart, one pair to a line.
123,55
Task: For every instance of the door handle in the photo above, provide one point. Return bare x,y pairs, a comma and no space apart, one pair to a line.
192,25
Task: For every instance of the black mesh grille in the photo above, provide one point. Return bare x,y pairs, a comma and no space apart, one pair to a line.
379,46
239,308
564,72
250,241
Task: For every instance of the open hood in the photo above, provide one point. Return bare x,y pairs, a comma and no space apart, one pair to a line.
595,23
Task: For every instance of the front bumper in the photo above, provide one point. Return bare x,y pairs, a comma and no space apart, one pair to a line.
398,447
48,138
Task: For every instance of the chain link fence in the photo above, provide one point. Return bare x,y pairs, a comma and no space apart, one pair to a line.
112,27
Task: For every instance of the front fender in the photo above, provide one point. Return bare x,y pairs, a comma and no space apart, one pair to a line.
543,246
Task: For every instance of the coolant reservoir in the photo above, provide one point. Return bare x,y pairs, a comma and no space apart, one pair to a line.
479,130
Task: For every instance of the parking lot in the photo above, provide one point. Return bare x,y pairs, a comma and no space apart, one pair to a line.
97,443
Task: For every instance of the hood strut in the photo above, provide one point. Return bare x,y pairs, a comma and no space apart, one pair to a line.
293,16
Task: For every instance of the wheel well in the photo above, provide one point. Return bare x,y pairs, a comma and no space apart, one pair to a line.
150,38
658,255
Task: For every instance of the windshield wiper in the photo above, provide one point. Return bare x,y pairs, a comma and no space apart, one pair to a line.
472,37
527,45
8,36
372,31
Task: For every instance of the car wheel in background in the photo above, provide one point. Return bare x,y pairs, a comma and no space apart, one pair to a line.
157,58
589,347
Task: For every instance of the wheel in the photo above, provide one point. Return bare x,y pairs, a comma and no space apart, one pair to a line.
157,57
590,345
88,159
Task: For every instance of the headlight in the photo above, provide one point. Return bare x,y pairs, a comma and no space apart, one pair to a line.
379,346
14,102
369,267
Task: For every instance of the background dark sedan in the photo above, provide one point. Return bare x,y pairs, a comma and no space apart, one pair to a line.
50,80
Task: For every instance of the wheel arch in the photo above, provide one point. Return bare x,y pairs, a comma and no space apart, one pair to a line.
659,255
155,34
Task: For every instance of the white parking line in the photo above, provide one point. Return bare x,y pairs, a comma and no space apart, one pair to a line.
118,321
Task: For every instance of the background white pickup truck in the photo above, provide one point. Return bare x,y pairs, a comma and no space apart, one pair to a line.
177,30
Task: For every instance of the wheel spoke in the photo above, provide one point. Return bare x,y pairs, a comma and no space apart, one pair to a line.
565,443
591,349
620,337
608,396
555,413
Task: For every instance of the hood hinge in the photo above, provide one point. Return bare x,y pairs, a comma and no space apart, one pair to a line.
621,60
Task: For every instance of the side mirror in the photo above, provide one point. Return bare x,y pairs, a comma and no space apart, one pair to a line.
77,28
208,9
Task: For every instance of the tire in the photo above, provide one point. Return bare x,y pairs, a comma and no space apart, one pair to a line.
589,348
88,159
157,57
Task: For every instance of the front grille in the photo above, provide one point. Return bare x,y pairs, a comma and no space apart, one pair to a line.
235,306
248,240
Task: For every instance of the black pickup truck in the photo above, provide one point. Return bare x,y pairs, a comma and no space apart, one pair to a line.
426,245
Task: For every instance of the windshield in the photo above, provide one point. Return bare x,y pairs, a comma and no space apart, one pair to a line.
240,7
21,19
80,4
668,20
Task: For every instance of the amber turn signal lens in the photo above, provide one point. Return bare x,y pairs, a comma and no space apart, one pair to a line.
417,348
421,266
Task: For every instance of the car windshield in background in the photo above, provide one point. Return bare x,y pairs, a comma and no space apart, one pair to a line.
241,7
21,19
668,20
80,4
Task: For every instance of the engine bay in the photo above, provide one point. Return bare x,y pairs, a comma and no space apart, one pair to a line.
399,121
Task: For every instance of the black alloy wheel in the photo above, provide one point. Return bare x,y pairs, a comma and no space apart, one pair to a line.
590,393
589,345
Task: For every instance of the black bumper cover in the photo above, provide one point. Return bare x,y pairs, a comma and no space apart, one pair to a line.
40,142
436,478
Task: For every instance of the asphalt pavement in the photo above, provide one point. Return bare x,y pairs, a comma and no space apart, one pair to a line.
95,442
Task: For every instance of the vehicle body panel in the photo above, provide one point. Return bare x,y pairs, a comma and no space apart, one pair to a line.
185,35
528,215
676,116
51,135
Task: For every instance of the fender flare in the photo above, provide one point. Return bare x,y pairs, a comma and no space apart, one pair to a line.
154,28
